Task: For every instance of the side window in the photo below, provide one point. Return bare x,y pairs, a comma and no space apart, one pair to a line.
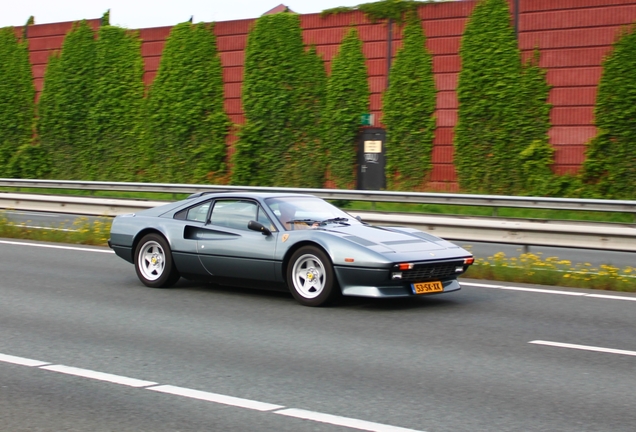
264,219
197,213
233,213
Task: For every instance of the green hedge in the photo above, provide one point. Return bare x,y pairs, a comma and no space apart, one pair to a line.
305,159
65,103
610,167
501,141
117,101
537,154
281,133
49,130
486,140
346,100
186,125
17,112
408,107
384,9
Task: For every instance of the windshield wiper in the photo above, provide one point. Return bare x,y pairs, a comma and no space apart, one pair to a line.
307,221
341,220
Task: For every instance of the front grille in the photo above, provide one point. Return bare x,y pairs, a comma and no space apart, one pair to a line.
433,271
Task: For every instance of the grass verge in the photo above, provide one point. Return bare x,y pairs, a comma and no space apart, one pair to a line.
81,231
532,268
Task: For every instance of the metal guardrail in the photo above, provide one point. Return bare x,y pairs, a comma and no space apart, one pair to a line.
598,236
494,201
90,206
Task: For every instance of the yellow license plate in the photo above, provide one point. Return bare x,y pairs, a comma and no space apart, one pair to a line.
427,287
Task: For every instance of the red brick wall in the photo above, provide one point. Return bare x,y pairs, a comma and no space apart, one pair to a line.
44,40
573,37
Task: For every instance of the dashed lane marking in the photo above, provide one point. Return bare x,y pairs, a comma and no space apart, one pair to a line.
583,347
206,396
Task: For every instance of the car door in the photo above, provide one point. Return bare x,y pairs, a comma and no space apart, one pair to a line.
228,249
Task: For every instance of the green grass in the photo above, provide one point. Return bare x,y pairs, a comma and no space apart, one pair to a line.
82,231
533,268
503,212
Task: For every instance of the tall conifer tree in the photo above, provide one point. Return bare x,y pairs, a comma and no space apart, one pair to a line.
275,145
65,103
17,94
347,99
115,114
610,165
486,143
409,105
186,122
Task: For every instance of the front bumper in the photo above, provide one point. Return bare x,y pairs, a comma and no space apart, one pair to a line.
361,282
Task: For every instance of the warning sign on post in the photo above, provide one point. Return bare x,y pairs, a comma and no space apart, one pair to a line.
373,146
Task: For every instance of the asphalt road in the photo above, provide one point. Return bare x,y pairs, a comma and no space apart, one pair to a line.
85,347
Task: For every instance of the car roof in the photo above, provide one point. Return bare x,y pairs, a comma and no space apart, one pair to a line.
241,194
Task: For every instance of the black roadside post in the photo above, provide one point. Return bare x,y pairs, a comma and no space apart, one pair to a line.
371,159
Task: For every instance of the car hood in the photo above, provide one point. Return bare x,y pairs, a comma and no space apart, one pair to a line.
390,239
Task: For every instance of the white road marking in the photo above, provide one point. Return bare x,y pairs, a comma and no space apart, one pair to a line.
49,228
584,347
49,246
21,361
341,421
28,213
216,398
207,396
548,291
611,297
101,376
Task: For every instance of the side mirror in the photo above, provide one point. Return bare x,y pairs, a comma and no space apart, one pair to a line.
257,226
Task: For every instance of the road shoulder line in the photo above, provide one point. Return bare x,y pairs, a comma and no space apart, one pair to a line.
547,291
583,347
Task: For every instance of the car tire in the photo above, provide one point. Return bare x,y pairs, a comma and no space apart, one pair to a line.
310,277
153,262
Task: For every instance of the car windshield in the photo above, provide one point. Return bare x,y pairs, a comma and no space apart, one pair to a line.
296,212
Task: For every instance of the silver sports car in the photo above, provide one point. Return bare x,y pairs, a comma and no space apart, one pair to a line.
284,241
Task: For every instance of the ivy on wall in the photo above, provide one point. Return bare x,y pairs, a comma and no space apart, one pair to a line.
486,135
347,98
276,143
305,159
537,154
49,131
65,103
395,10
186,122
408,107
609,170
301,123
115,114
17,94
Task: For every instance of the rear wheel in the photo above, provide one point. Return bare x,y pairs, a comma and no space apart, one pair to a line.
153,262
310,277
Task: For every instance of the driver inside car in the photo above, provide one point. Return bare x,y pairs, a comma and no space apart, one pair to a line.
287,214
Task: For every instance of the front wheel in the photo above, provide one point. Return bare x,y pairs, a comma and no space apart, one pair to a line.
153,262
310,277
